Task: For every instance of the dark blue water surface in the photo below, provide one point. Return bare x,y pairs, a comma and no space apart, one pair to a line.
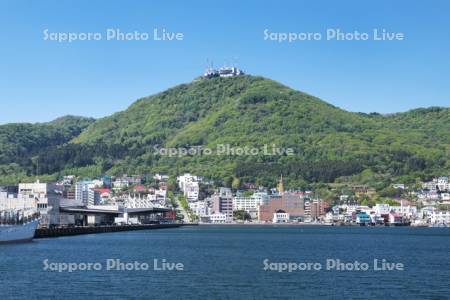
227,262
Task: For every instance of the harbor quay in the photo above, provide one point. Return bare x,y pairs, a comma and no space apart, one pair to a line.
70,231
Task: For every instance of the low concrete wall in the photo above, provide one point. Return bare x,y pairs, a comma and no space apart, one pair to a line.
56,232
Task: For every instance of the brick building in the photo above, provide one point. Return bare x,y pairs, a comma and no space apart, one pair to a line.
290,203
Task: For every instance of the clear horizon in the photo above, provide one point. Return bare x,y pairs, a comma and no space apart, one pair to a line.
41,80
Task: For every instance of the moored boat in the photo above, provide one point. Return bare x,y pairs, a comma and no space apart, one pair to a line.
17,227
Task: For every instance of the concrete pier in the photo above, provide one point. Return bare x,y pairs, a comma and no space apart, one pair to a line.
68,231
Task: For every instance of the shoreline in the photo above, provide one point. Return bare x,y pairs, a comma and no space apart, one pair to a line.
71,231
310,225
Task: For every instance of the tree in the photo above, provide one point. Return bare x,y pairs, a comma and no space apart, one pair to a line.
241,215
236,183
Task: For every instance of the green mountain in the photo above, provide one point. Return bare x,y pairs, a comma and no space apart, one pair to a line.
329,144
20,142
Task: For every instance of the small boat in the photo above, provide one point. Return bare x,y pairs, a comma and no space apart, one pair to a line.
16,227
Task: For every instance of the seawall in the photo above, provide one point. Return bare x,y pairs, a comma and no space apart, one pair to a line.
68,231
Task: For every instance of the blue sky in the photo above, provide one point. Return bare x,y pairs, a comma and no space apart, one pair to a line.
41,80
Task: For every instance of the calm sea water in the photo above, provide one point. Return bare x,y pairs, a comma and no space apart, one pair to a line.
228,263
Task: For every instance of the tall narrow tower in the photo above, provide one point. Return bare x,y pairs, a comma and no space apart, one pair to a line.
281,186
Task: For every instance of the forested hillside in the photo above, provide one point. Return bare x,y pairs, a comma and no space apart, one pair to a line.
20,142
329,144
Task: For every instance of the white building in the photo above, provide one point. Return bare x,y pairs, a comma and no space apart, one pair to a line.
36,189
186,179
218,218
17,202
200,208
120,183
248,203
68,180
445,197
43,197
382,209
399,186
349,208
441,183
157,199
344,198
405,211
225,71
84,192
191,191
161,177
440,217
189,185
280,217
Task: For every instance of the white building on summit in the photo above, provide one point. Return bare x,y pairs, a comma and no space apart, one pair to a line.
223,72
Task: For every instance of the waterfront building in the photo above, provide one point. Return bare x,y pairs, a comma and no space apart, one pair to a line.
291,203
363,218
250,204
315,208
407,211
440,217
331,217
395,218
218,218
223,203
382,209
280,216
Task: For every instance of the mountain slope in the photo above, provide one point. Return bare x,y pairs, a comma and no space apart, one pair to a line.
19,142
329,143
252,111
